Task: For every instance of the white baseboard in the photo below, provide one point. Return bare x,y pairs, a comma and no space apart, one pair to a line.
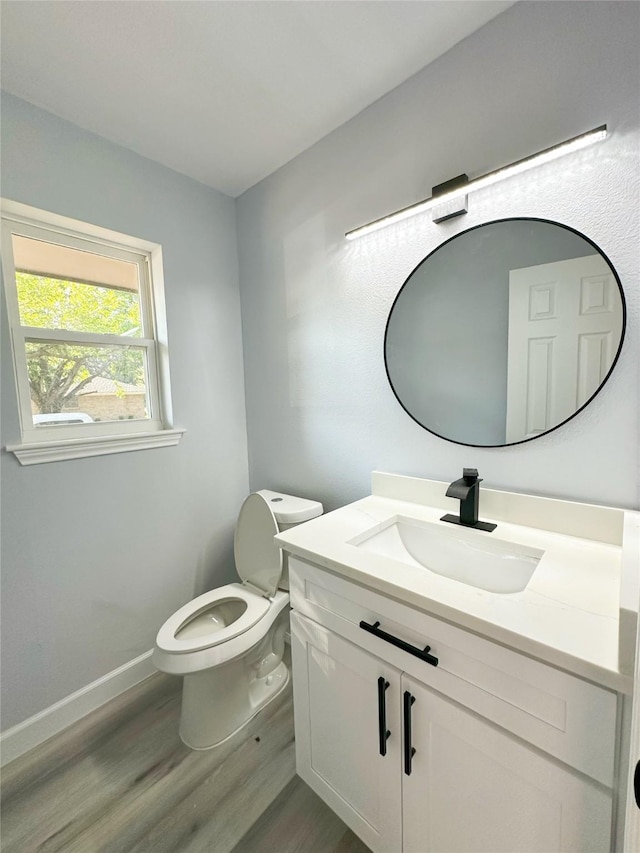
35,730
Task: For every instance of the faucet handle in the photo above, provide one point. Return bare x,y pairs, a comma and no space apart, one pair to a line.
470,476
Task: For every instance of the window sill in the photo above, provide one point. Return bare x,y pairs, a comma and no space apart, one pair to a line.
35,453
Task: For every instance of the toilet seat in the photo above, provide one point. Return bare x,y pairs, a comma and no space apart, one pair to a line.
256,607
220,650
258,563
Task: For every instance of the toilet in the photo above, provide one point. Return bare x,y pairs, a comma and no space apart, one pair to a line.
229,643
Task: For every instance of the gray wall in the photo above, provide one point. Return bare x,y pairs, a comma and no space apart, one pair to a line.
320,412
96,553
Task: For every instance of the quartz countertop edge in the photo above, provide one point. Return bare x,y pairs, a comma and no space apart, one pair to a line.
558,619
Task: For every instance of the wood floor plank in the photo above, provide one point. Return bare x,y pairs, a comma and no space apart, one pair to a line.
298,821
86,734
48,798
121,781
107,789
216,814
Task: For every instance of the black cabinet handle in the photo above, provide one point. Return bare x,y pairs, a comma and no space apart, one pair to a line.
383,732
636,784
423,654
409,751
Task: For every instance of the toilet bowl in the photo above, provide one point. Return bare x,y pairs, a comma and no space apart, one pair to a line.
229,642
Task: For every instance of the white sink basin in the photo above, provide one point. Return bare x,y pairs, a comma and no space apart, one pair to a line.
468,556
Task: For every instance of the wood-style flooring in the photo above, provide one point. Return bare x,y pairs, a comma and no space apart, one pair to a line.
121,781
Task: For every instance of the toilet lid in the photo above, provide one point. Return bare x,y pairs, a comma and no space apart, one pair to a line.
258,557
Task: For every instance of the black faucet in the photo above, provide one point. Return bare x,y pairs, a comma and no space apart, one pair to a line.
467,490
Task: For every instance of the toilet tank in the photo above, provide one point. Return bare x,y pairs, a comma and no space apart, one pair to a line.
290,511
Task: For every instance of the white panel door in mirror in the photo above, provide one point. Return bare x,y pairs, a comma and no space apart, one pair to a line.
565,321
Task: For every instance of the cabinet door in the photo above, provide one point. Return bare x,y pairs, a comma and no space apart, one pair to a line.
341,693
475,789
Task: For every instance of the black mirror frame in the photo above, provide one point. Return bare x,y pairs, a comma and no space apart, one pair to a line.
584,405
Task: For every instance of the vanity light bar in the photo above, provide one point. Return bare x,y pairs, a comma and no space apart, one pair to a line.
545,156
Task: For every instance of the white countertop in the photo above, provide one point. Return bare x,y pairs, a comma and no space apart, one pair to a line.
568,615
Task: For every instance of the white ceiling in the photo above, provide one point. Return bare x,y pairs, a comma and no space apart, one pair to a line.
225,92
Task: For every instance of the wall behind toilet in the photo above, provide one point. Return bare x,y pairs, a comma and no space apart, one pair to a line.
97,553
320,412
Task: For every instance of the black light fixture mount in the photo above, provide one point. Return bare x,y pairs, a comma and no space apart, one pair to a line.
453,205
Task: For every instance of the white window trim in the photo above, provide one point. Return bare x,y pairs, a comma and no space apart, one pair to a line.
54,451
74,442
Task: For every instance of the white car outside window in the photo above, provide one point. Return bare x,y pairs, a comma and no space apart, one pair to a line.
62,418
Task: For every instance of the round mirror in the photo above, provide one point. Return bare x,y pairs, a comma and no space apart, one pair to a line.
504,332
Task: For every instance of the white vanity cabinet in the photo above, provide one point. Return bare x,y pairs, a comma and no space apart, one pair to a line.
336,706
489,750
475,788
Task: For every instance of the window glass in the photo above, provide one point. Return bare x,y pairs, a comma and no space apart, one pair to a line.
60,287
74,383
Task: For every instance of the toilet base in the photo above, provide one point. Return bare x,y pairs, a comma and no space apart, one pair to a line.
217,703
